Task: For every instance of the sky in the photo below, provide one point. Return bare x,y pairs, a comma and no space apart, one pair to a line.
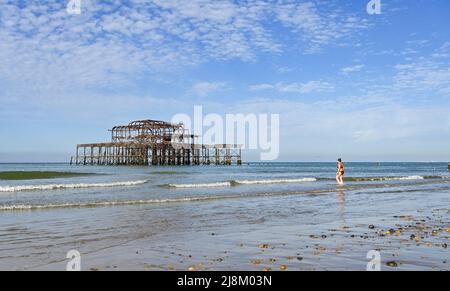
344,83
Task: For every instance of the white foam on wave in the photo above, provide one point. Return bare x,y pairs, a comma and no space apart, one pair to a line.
243,182
17,207
69,186
204,185
400,178
412,178
275,181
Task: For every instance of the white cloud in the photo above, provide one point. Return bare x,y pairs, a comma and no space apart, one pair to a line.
427,77
428,74
304,88
112,43
261,87
415,79
205,88
283,70
316,27
370,128
352,69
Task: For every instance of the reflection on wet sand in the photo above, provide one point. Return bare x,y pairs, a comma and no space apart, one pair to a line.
341,200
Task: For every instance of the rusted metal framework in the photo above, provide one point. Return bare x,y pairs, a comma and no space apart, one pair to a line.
153,142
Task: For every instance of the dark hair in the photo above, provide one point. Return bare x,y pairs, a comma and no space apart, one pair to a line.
339,160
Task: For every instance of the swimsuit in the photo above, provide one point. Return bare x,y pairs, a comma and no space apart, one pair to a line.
341,170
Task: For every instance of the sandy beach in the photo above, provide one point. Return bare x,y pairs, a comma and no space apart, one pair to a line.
330,228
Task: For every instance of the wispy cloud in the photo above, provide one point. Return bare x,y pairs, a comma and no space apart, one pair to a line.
304,88
261,87
296,87
423,77
428,74
317,25
120,60
352,69
205,88
113,43
357,126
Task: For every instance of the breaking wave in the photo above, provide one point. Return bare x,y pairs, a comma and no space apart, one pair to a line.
242,182
111,203
275,181
368,179
204,185
95,204
68,186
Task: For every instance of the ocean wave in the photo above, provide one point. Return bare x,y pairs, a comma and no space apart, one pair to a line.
242,182
407,178
95,204
274,181
390,178
203,185
17,207
69,186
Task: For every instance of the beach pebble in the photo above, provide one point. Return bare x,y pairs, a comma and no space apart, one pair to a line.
192,269
444,245
299,258
283,267
392,264
266,269
371,226
263,246
448,229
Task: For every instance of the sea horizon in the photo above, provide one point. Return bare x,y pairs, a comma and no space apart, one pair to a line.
253,162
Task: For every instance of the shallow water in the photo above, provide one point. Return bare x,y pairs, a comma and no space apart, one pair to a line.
215,217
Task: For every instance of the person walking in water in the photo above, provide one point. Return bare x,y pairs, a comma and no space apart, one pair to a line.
340,172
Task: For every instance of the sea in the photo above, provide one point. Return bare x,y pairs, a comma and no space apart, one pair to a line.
159,218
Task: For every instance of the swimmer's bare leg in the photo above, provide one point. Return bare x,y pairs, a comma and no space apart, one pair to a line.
339,178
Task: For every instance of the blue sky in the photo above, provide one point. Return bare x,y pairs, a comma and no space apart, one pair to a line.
345,83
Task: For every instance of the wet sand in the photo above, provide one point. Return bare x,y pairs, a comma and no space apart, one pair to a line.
331,231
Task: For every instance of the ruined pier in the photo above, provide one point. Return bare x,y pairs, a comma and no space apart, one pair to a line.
152,142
